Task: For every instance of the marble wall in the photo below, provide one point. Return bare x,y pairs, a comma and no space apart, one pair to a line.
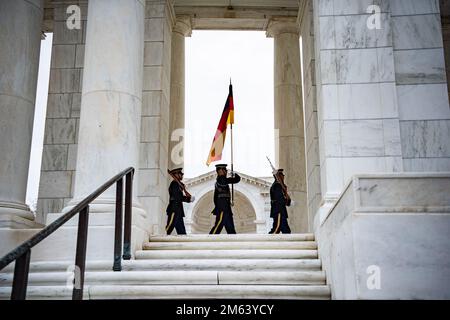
153,178
421,85
63,112
382,92
314,195
359,127
387,238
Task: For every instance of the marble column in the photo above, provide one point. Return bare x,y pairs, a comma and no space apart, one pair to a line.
20,38
181,30
109,129
109,133
289,122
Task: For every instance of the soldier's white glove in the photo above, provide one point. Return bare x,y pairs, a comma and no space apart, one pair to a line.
192,199
293,203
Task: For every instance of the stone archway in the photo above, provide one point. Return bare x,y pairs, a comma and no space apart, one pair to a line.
243,212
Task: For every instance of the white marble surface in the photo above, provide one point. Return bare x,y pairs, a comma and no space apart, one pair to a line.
423,102
227,254
106,42
405,193
332,176
180,292
419,66
351,32
359,101
425,139
421,84
209,270
177,277
413,7
362,138
361,165
416,32
234,237
389,221
100,243
226,245
109,128
348,7
357,66
427,165
185,264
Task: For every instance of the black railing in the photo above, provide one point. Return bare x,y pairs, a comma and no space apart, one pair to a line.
23,252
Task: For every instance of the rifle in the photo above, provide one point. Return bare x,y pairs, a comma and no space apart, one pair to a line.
283,186
181,184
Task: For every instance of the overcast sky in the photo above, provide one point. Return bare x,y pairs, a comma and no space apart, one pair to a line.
212,58
39,119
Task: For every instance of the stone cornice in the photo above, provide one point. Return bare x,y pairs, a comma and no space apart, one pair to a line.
281,25
212,176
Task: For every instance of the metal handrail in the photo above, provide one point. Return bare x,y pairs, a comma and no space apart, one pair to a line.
23,252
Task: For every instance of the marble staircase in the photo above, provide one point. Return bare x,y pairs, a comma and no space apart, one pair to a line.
241,266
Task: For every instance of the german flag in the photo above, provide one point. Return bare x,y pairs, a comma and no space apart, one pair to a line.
218,143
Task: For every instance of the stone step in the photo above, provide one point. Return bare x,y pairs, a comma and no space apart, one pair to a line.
183,264
175,278
222,245
226,254
180,292
233,237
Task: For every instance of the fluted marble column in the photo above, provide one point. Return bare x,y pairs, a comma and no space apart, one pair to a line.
289,122
109,133
20,40
181,30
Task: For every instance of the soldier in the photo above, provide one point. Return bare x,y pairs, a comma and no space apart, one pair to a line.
222,201
175,212
279,200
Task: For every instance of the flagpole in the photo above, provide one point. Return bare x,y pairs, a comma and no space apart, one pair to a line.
232,162
232,167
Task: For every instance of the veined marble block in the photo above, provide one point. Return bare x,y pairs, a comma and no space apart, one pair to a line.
425,139
420,66
423,102
413,7
397,225
417,32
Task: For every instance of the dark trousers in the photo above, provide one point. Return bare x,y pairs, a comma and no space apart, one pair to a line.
280,224
223,220
175,220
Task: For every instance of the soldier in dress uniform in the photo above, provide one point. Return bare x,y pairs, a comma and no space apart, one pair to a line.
279,199
175,211
222,201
